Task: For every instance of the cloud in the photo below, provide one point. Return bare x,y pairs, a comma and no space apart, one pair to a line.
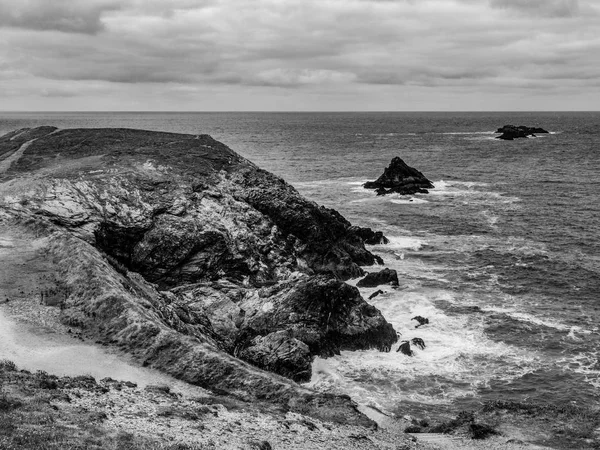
550,8
62,15
328,50
295,77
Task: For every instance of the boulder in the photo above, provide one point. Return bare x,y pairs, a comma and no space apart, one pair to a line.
385,276
405,349
400,178
375,294
369,236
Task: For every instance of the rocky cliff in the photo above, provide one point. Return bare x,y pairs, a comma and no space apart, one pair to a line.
186,255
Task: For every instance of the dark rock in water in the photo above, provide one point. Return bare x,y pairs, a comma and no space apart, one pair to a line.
510,132
422,321
385,276
418,342
375,294
405,349
400,178
181,252
369,236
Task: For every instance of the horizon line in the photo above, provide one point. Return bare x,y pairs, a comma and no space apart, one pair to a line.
294,112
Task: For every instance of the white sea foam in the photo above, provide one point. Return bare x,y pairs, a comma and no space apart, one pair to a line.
408,201
491,218
470,191
585,364
401,242
530,318
469,132
458,358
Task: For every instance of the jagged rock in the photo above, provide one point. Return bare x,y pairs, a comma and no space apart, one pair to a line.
422,321
281,353
369,236
400,178
418,342
385,276
181,252
375,294
510,132
404,348
325,314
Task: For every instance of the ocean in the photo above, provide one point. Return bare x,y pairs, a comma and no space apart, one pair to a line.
502,256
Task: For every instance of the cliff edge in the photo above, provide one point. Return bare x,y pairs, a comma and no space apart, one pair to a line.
179,251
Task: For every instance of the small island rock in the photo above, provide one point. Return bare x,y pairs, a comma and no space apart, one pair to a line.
400,178
510,132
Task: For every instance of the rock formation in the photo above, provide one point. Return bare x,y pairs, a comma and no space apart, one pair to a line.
404,348
400,178
510,132
369,236
422,321
181,252
374,279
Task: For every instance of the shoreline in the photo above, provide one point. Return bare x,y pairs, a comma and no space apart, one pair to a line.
126,407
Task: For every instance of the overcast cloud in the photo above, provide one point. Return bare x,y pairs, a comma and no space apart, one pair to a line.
300,54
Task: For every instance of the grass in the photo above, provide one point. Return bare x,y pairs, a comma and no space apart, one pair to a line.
569,426
30,421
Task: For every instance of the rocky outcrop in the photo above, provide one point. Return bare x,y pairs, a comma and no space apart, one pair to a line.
369,236
179,251
510,132
374,279
400,178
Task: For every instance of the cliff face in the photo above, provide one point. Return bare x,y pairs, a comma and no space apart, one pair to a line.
181,252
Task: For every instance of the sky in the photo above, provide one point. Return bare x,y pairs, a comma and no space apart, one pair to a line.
299,55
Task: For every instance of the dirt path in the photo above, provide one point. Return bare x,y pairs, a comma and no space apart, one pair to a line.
6,162
31,334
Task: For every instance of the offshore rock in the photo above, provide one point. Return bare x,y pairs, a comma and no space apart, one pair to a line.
179,251
400,178
369,236
374,279
510,132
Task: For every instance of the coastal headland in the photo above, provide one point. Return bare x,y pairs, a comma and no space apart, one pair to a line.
180,254
177,251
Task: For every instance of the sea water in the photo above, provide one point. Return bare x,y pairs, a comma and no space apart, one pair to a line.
502,256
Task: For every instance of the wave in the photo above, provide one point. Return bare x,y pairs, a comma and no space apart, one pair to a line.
468,132
409,201
538,321
458,360
401,243
471,190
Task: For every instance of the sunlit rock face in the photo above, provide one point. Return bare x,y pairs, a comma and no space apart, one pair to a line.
183,253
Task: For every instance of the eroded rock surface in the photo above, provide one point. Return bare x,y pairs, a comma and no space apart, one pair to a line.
186,255
400,178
